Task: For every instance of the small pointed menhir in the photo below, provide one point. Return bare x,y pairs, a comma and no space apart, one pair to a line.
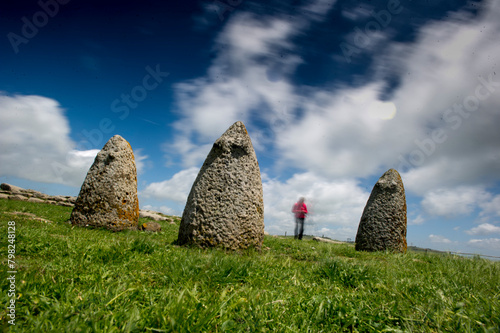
225,206
108,196
383,223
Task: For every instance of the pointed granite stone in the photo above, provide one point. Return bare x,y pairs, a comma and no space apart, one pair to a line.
225,206
383,223
108,196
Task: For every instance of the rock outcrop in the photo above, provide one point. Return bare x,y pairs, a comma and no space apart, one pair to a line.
108,196
12,192
383,223
149,214
225,206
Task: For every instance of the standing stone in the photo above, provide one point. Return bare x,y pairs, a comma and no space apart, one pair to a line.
383,223
108,197
225,206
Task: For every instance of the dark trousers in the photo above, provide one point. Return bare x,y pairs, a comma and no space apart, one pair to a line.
299,227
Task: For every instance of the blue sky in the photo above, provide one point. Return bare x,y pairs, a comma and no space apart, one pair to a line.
333,94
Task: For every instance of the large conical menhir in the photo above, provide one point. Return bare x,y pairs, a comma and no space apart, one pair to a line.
108,196
225,206
383,223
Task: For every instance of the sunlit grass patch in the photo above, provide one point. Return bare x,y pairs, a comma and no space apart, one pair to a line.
73,279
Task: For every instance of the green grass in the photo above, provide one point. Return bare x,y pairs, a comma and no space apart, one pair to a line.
74,279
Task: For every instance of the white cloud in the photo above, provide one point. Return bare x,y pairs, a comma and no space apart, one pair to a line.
439,239
140,160
81,159
176,188
491,207
342,134
417,220
444,89
35,142
484,229
492,244
357,13
453,202
318,9
255,57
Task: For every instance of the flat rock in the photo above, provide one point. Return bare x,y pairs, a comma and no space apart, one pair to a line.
225,206
41,196
150,226
4,196
29,215
35,200
108,196
326,240
383,223
58,198
17,197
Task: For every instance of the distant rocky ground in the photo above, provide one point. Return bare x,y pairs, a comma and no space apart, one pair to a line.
12,192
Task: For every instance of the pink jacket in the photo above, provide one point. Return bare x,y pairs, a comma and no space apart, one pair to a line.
300,210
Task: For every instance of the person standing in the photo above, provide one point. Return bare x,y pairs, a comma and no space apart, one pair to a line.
300,211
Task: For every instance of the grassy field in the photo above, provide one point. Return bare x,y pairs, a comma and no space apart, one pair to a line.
72,279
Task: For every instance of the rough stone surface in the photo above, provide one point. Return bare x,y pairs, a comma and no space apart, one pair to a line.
225,206
18,197
108,196
10,188
59,198
150,226
383,223
42,196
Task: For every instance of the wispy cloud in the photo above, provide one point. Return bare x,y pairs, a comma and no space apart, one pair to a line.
439,239
453,202
484,229
35,141
176,188
489,243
